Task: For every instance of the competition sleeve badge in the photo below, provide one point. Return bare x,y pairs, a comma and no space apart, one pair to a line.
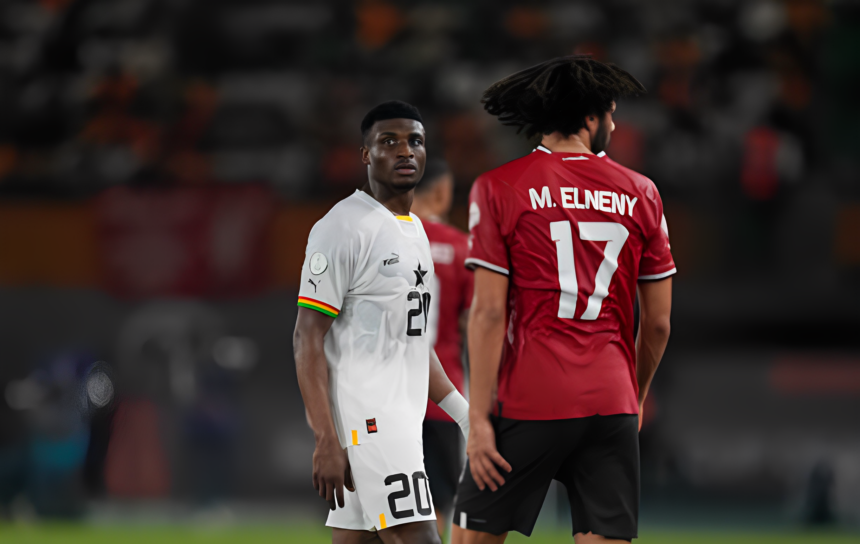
318,264
371,425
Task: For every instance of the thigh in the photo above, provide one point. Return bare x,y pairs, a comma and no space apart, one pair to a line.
421,532
467,536
346,536
535,451
602,478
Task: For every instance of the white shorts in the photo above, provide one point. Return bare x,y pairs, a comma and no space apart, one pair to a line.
391,486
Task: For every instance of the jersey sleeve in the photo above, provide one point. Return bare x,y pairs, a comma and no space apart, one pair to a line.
328,268
487,246
657,262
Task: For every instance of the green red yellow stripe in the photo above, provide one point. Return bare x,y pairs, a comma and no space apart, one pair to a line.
327,309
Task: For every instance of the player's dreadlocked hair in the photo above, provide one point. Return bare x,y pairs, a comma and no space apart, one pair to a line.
558,94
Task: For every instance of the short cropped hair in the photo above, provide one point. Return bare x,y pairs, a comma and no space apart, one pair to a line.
558,94
434,171
393,109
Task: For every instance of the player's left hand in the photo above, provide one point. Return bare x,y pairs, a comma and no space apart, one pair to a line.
484,457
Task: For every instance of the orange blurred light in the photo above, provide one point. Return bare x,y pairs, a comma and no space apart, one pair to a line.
526,23
378,23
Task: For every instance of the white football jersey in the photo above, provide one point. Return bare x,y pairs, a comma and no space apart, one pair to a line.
372,271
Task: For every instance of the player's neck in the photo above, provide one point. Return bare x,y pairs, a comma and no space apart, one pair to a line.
399,203
425,210
575,143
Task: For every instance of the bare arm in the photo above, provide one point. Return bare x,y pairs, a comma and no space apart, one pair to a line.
655,307
440,385
330,464
486,333
486,339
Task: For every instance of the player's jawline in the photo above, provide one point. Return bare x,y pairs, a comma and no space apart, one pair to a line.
604,201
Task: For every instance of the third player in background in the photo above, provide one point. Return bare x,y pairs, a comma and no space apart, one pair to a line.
443,450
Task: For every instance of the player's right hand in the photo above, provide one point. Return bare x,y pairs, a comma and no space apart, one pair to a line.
483,455
331,472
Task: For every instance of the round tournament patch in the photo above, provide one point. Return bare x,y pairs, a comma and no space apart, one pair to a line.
318,263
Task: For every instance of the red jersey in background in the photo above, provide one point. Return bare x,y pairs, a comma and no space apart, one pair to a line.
575,233
451,295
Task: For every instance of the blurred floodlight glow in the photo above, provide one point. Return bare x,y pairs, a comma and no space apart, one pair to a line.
235,353
24,394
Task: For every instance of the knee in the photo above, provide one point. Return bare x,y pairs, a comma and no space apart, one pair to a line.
591,538
412,533
465,536
432,536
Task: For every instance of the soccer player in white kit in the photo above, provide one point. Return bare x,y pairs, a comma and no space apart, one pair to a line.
364,360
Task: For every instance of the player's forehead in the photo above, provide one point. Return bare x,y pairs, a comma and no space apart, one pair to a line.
397,127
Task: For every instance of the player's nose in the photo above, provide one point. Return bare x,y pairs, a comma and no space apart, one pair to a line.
405,150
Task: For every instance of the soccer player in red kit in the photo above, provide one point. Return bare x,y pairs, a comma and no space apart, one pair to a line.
451,296
561,241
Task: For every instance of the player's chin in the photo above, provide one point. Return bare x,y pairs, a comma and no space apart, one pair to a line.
405,182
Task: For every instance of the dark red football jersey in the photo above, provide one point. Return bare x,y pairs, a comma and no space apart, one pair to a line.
451,294
574,232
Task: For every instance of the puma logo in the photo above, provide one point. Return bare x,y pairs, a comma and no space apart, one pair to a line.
314,284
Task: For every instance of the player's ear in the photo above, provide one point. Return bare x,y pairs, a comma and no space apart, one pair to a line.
365,154
591,126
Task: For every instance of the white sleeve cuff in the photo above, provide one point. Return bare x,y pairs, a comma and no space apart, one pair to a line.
472,262
458,408
658,276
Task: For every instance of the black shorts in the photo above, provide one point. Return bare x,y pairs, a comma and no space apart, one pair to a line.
596,458
443,461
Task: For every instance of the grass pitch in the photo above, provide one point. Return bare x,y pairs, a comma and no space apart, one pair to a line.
306,534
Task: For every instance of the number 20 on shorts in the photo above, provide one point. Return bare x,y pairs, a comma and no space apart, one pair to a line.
615,236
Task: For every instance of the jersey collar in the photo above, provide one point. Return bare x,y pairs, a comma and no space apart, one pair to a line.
545,150
378,205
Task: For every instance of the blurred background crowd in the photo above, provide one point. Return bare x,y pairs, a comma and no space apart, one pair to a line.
162,161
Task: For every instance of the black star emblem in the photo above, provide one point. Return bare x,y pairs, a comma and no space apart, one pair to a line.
419,275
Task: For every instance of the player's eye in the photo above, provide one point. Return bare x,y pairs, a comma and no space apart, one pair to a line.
388,141
417,142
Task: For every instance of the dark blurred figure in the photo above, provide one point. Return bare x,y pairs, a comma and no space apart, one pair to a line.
211,429
818,500
57,401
